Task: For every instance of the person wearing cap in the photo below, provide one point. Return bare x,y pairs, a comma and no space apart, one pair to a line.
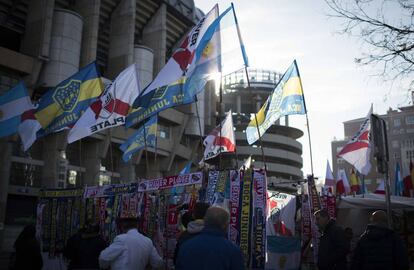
379,247
210,249
130,250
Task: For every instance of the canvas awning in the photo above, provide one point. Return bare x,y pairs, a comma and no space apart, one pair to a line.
374,201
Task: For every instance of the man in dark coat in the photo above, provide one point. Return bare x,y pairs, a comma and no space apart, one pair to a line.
210,249
379,247
333,245
27,247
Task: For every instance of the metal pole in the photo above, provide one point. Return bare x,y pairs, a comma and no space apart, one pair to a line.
388,198
199,124
146,150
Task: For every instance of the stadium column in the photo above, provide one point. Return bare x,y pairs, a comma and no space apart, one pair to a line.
5,164
127,171
53,145
121,38
154,36
89,10
95,151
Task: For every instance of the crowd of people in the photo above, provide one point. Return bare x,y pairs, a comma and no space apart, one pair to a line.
203,244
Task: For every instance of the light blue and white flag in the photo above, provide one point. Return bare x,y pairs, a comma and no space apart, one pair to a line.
283,253
211,47
186,169
145,135
12,105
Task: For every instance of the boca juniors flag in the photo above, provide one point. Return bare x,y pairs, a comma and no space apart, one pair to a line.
111,107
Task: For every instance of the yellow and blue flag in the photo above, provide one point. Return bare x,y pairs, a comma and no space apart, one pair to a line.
145,135
63,105
286,99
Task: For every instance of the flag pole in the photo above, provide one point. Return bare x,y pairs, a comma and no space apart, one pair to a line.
257,123
110,152
243,51
219,116
199,124
307,118
156,142
146,150
80,162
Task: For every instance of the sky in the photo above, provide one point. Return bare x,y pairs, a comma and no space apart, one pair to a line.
336,89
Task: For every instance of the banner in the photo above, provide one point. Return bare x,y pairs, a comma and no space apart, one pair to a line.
213,177
259,220
281,214
171,181
283,253
109,190
234,226
329,203
245,224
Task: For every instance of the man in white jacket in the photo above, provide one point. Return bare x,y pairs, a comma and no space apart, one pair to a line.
130,250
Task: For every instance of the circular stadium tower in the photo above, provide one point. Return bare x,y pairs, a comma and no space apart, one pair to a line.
282,151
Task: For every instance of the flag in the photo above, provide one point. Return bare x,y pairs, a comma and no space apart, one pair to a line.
281,211
283,253
145,135
408,187
247,163
28,128
221,139
381,188
286,99
357,150
399,184
329,179
186,169
110,109
355,186
342,184
63,105
412,172
199,59
13,104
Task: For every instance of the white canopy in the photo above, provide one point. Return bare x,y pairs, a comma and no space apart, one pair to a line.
374,201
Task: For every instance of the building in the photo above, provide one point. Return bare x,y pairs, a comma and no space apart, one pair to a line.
400,137
46,41
282,151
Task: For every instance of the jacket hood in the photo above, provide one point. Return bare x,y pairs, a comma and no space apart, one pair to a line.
377,232
195,226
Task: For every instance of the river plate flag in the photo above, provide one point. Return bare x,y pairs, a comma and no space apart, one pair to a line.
200,58
357,151
110,109
13,104
63,105
141,138
286,99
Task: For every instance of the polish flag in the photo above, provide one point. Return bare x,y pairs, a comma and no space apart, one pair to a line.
329,179
110,109
357,150
342,184
221,139
381,188
28,128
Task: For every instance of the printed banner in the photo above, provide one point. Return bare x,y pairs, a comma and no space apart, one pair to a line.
245,224
281,214
213,177
329,203
109,190
234,226
171,181
259,220
306,217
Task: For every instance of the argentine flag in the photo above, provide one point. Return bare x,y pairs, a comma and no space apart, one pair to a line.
12,105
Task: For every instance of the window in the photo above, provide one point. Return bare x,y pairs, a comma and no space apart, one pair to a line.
340,161
395,144
163,132
397,122
409,120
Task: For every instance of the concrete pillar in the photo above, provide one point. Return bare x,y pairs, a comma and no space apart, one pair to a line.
121,38
89,10
65,48
127,171
287,120
56,143
155,36
5,165
238,104
36,39
94,152
197,117
144,61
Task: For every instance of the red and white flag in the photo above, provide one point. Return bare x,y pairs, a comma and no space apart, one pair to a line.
381,188
342,183
329,178
221,139
28,128
357,150
110,109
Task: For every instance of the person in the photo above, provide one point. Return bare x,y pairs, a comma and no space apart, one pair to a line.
333,245
379,247
194,227
28,255
130,250
349,234
83,248
210,249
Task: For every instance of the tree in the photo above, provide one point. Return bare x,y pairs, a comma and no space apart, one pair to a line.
387,27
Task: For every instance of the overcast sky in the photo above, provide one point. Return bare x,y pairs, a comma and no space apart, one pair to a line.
276,32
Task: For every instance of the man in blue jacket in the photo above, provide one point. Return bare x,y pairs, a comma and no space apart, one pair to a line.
210,249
